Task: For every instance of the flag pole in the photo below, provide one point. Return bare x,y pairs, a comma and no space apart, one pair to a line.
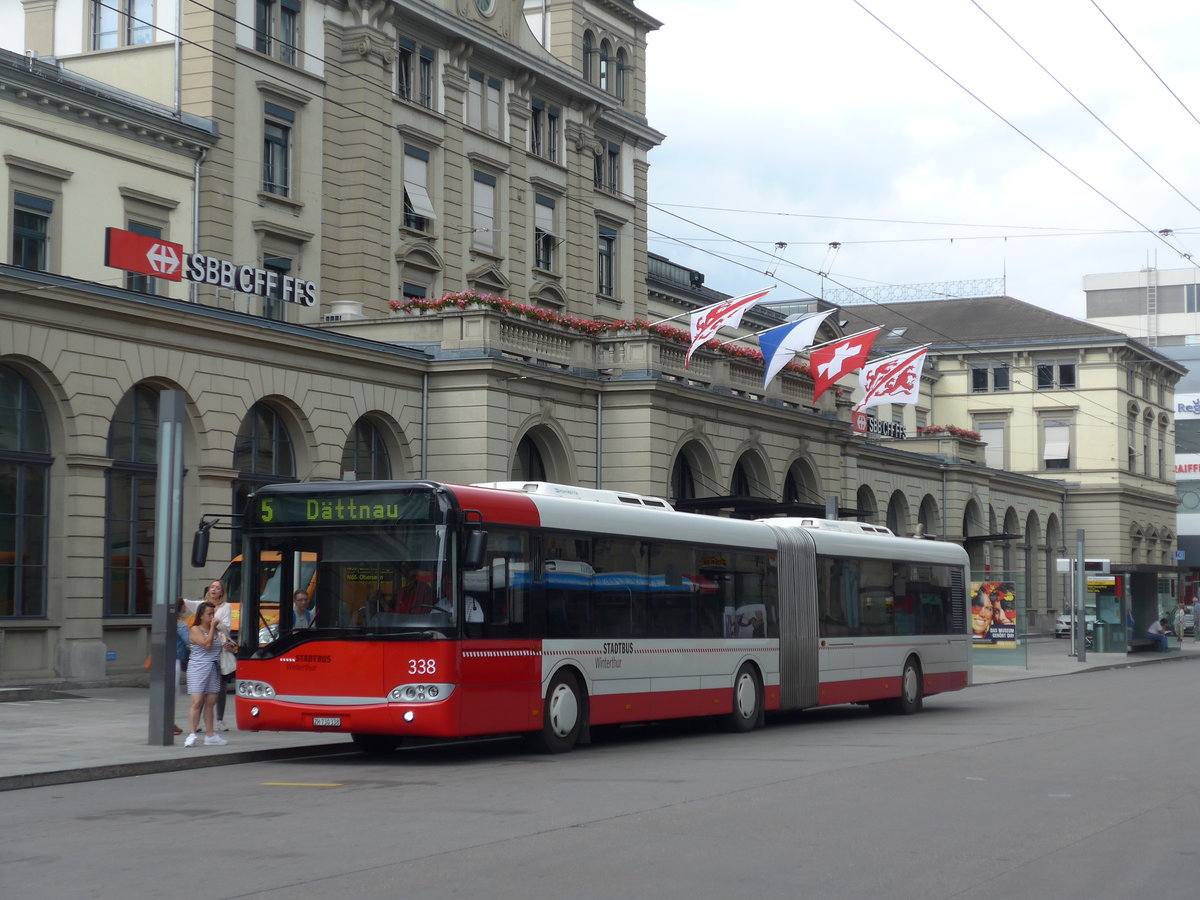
744,336
844,338
710,305
910,350
681,315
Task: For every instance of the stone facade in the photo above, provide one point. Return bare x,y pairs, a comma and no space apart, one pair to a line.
286,391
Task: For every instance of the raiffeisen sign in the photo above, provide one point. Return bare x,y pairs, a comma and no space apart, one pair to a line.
164,259
1187,406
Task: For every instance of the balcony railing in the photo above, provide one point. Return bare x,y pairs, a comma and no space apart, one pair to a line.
630,354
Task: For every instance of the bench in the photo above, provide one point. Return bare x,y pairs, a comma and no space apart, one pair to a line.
1142,645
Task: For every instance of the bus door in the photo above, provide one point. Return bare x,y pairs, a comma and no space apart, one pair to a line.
500,668
838,620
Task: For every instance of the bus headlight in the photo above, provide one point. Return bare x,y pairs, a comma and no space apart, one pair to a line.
255,690
420,693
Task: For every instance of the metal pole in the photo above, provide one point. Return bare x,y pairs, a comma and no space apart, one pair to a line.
168,553
831,507
1080,598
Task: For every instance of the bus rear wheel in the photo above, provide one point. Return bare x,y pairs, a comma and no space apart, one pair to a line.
562,715
747,700
912,689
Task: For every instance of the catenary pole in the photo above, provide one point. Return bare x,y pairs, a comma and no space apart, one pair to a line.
168,542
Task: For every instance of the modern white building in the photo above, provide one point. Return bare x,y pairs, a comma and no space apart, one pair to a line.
1161,308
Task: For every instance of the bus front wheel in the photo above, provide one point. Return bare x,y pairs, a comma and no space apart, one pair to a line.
562,715
375,743
747,700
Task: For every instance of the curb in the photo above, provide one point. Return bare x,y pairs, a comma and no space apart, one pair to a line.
159,766
1127,664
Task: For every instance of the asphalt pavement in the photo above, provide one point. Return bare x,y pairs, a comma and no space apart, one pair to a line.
59,735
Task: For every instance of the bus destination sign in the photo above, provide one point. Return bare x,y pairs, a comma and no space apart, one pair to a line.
318,509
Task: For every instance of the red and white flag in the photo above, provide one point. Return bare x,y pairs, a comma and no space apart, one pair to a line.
893,379
708,321
829,363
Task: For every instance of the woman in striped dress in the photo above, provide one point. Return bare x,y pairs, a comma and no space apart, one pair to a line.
204,675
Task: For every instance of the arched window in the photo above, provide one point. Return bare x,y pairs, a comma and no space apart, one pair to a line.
791,489
739,485
867,508
589,44
262,454
683,480
129,507
1147,429
605,54
1162,446
365,453
1131,438
897,513
24,497
528,464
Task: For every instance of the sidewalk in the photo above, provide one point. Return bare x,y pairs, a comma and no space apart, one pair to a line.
58,736
1046,656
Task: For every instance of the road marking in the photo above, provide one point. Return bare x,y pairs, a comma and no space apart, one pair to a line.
300,784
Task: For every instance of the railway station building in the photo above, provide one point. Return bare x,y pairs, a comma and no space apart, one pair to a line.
408,241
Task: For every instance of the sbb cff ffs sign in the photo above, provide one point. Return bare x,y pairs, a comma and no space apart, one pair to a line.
163,259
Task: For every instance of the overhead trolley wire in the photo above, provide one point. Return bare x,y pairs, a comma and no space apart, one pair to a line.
894,309
1158,235
1087,108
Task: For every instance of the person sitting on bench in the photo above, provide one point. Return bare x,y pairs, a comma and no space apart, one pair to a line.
1158,631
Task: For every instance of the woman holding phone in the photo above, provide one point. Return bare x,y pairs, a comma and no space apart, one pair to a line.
214,593
204,677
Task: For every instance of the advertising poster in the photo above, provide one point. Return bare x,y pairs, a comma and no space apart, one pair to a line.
994,615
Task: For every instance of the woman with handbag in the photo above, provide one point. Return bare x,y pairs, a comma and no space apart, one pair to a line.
223,614
205,643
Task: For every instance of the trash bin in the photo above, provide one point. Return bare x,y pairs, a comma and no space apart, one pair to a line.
1105,637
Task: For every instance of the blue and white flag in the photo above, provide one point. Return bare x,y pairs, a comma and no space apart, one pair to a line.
780,344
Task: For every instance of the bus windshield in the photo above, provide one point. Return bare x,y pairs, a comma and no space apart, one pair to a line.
386,581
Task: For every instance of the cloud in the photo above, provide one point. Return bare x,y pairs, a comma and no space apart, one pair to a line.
806,117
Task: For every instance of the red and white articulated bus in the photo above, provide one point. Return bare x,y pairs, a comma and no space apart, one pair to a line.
452,611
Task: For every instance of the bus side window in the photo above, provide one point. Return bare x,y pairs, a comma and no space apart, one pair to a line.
564,580
830,597
502,587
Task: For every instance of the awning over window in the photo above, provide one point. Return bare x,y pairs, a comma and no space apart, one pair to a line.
1058,442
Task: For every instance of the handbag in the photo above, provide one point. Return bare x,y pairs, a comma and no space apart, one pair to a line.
228,663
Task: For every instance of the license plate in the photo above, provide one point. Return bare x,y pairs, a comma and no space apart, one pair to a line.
327,722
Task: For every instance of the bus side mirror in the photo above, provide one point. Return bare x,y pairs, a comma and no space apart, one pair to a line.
476,551
200,545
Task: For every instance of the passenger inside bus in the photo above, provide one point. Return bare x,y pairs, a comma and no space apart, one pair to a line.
378,602
473,610
302,615
414,595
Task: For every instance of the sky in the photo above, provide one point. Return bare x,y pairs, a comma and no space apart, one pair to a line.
808,122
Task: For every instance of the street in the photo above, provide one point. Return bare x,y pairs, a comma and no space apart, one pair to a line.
1067,787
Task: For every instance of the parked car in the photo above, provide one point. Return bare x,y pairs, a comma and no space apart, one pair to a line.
1062,625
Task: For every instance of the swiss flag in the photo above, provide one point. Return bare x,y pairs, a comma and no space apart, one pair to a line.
829,363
